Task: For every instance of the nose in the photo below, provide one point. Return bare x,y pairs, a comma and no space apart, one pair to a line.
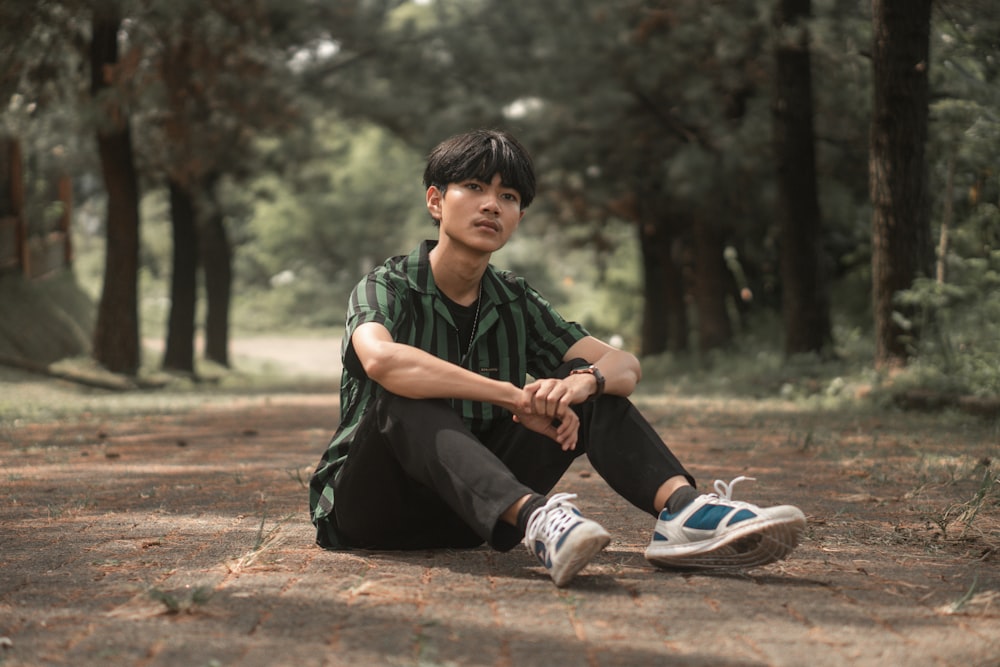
491,203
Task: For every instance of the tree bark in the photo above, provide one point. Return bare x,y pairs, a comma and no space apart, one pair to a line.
217,265
665,321
12,200
711,288
805,300
11,178
901,248
178,354
116,337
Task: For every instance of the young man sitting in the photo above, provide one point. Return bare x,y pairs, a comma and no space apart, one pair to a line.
444,441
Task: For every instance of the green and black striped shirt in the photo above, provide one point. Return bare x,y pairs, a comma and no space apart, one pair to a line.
518,335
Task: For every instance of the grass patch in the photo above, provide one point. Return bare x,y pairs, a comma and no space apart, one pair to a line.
755,367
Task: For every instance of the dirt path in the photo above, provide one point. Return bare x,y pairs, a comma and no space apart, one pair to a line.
312,356
300,356
175,534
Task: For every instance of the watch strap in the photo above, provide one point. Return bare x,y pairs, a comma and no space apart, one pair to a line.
598,376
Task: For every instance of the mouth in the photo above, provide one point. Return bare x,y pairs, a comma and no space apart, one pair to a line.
486,223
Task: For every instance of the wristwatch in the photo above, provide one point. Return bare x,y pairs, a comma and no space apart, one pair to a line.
592,370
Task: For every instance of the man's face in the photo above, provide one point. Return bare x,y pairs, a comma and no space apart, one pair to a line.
476,214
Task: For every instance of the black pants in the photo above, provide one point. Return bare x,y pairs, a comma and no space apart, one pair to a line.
417,478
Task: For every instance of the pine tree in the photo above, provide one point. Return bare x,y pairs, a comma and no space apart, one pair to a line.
898,166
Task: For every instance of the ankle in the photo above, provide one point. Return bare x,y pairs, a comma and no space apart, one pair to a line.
680,499
528,507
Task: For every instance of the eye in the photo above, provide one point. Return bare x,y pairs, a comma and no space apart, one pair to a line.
511,197
473,185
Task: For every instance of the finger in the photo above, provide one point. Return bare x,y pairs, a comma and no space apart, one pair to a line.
563,411
527,400
569,444
530,394
567,432
545,400
554,401
537,404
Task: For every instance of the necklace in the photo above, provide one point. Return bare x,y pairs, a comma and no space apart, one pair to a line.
475,323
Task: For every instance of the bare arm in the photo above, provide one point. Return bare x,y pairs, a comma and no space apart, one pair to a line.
411,372
408,371
621,369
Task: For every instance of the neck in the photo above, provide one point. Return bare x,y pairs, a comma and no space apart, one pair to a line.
458,274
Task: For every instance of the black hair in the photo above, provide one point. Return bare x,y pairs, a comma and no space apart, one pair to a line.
480,154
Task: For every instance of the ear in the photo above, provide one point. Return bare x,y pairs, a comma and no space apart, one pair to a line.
434,201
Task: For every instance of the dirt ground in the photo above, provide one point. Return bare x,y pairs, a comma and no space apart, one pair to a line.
160,529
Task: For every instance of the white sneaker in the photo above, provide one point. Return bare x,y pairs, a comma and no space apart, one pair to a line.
562,539
716,531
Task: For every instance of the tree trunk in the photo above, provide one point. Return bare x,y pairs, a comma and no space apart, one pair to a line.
11,178
664,322
12,200
805,301
711,288
116,337
675,296
901,248
217,264
179,351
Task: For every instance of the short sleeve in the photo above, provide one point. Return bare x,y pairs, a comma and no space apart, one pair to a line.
374,299
549,334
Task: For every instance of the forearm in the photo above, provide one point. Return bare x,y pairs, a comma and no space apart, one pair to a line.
620,369
621,372
409,371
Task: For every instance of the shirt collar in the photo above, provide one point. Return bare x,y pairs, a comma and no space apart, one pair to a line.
498,286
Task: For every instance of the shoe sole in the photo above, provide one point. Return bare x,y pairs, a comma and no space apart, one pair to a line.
585,543
758,543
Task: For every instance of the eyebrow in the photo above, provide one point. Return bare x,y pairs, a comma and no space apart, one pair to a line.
503,183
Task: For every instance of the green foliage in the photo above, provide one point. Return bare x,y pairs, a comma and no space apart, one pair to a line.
957,318
622,104
39,87
660,106
958,350
316,229
603,290
755,366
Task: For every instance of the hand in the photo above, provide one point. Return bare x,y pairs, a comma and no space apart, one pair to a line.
553,397
564,430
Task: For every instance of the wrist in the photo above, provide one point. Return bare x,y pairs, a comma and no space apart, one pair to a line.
599,380
512,396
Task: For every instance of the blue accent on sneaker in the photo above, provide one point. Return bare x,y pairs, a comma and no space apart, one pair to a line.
562,539
714,530
542,554
708,517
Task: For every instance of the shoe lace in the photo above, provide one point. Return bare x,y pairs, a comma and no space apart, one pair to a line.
725,491
550,519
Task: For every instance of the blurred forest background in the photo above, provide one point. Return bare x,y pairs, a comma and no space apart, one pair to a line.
788,184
